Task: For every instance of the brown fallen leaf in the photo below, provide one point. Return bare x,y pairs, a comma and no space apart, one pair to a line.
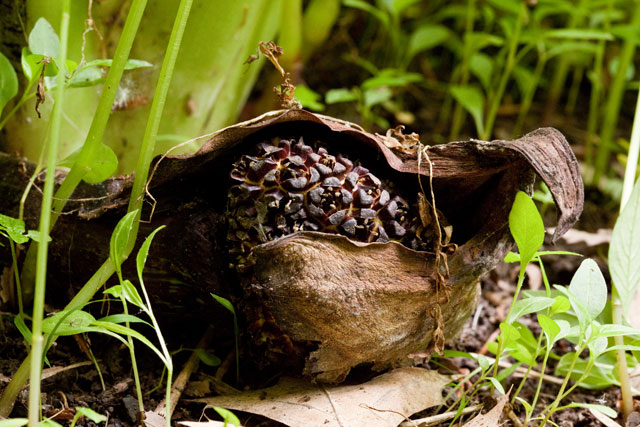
491,418
603,418
153,419
386,400
204,424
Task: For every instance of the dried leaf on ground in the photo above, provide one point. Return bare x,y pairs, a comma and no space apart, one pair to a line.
386,400
153,419
204,424
603,418
491,418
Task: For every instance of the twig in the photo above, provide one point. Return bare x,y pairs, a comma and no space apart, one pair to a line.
437,419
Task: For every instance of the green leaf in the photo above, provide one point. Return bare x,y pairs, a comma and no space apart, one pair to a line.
43,40
578,34
589,287
377,96
526,227
122,318
369,8
626,32
131,64
91,414
600,408
67,322
309,98
550,329
18,321
120,238
8,81
624,250
227,416
14,228
483,362
115,291
208,358
472,99
426,37
509,334
14,422
123,330
527,406
30,65
131,294
391,77
497,385
613,330
143,252
478,41
560,305
597,347
335,96
481,65
584,317
512,6
512,257
87,77
225,303
529,305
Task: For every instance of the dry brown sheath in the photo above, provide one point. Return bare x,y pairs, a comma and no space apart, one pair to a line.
349,302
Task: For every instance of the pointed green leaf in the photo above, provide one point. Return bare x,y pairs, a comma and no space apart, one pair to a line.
120,238
227,416
600,408
426,37
143,252
529,305
472,99
550,329
207,358
131,294
481,65
67,322
225,303
526,227
43,40
14,228
91,414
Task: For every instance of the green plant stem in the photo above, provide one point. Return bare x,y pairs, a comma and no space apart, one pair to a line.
540,381
96,132
576,81
132,354
527,99
458,113
521,276
550,409
623,370
16,274
561,68
614,102
45,220
506,73
596,93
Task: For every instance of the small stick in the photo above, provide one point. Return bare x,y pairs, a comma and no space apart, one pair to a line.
437,419
183,378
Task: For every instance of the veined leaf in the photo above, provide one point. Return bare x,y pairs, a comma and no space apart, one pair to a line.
588,287
526,227
8,82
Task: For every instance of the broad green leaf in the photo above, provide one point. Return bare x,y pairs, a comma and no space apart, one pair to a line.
335,96
14,422
527,405
512,257
8,81
120,238
66,323
578,34
131,294
225,303
14,228
426,37
481,65
522,354
207,357
550,329
91,414
512,6
560,305
472,99
526,227
143,252
478,41
509,334
624,250
483,362
101,167
115,291
309,99
227,416
43,40
87,77
376,96
529,305
581,311
600,408
589,287
31,65
600,376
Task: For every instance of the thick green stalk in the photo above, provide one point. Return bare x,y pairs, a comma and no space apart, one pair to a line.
45,220
506,73
614,102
